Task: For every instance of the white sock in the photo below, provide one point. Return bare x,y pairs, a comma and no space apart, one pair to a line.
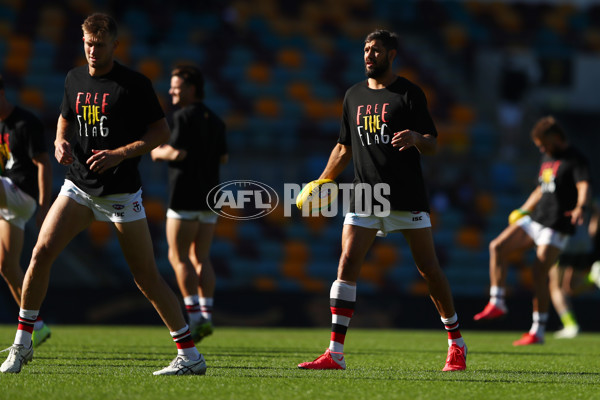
497,297
27,320
454,336
185,345
538,327
206,306
192,307
39,323
342,299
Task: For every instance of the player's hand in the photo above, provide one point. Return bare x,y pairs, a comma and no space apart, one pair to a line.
155,154
102,160
404,139
516,215
63,154
576,215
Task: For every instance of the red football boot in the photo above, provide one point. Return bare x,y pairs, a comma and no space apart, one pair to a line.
457,358
326,361
490,312
528,339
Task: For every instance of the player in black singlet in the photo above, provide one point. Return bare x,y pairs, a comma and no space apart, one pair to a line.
26,177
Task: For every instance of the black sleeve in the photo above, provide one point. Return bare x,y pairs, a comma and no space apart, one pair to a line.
65,108
221,137
34,132
148,104
422,122
345,137
581,170
177,139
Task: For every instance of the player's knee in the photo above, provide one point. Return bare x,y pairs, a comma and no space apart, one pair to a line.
495,246
4,269
41,254
176,257
431,271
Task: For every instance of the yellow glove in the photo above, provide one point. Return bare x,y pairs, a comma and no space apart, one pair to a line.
517,215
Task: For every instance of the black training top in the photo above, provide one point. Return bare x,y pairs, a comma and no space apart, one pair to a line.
107,112
21,139
370,119
201,133
557,178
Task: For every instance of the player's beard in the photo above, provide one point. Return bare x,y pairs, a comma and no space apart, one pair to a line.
378,69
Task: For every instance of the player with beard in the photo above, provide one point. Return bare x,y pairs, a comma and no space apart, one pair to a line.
385,128
545,221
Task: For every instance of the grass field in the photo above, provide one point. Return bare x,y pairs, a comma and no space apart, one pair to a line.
116,362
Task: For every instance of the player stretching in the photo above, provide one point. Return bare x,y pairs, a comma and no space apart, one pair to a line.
385,128
544,221
26,174
195,151
110,116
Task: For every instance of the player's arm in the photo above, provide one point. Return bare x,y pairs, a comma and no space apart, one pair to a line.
338,160
532,200
44,168
166,152
583,198
157,133
224,159
62,147
426,144
527,207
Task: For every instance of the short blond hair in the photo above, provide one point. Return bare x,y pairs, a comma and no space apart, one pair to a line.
99,24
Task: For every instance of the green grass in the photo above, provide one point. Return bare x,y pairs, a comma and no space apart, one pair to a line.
112,362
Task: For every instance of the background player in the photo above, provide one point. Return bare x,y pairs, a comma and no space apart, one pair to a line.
385,128
194,152
556,205
110,116
26,175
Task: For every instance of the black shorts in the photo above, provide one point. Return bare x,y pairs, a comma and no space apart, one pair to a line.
577,261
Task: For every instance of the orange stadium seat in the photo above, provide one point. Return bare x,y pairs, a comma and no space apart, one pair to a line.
267,107
290,58
32,97
51,24
100,233
469,237
299,91
151,68
259,73
17,58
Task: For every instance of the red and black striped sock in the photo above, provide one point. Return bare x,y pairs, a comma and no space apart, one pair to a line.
27,320
206,306
185,344
192,307
454,335
342,301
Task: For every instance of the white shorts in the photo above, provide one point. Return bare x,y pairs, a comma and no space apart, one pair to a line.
205,217
19,205
542,235
123,207
397,220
